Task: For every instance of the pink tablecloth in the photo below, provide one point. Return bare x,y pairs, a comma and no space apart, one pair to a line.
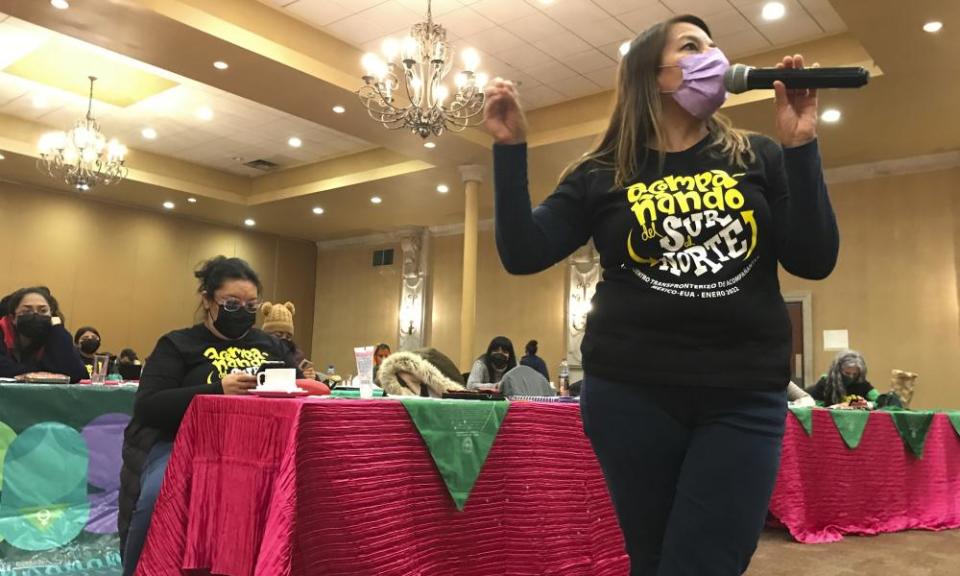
825,490
341,487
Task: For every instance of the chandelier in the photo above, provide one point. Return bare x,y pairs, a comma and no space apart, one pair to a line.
82,157
405,88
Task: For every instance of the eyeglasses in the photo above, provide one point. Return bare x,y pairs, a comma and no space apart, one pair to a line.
40,310
234,304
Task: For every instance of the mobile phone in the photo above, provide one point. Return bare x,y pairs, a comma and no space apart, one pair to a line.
270,365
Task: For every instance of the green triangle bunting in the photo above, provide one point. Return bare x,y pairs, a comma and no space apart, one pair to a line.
805,416
955,420
850,424
458,434
913,428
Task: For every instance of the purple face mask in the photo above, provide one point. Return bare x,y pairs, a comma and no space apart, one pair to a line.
702,92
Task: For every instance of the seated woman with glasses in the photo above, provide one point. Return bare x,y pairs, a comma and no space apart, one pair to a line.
219,355
33,338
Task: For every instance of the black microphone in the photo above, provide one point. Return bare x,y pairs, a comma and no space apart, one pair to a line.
740,78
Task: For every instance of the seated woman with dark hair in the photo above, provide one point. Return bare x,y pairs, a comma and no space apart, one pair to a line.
87,341
490,367
220,355
34,338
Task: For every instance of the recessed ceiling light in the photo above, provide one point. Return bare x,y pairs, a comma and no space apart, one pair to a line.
40,101
192,200
60,4
773,11
2,157
205,113
443,188
932,27
220,65
830,115
318,210
169,205
430,145
339,109
376,200
249,222
295,142
149,133
624,48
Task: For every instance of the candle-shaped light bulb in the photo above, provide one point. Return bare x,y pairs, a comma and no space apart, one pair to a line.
471,59
390,49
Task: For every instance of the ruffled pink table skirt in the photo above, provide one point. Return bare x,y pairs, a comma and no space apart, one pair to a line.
825,490
342,487
347,487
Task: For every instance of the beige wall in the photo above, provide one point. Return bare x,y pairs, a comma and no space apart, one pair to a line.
518,307
895,286
357,305
129,272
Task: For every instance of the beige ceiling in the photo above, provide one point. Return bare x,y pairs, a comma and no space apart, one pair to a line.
281,62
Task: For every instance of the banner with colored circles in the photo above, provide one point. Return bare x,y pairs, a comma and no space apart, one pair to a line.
60,458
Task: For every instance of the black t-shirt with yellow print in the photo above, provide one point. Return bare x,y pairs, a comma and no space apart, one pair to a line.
689,250
193,361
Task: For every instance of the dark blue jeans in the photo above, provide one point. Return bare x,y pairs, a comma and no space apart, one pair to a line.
690,471
150,480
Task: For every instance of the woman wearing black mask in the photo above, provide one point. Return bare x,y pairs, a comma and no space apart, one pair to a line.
87,340
278,322
490,368
220,355
847,376
34,338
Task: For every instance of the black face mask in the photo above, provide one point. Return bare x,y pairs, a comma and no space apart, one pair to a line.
847,380
36,327
89,346
234,325
288,346
499,360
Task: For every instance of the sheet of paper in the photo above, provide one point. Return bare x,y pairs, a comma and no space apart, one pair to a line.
835,340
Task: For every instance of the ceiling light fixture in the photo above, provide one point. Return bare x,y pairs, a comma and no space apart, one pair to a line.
2,157
249,222
430,145
376,200
624,48
205,113
220,65
192,200
82,157
295,142
773,11
149,133
169,205
339,109
443,188
933,27
831,115
405,88
318,210
60,4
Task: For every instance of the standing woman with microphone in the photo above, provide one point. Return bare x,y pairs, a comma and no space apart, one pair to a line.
687,349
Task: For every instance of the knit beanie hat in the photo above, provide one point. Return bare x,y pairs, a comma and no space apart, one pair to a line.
277,318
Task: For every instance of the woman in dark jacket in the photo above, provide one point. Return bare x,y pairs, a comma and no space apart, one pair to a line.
220,355
533,361
33,338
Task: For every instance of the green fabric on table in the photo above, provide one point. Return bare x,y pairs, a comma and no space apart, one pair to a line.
850,424
955,420
353,393
913,428
805,416
458,434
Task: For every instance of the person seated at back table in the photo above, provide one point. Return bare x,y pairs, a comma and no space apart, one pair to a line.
278,322
380,353
531,359
220,355
87,341
128,356
34,338
847,376
491,366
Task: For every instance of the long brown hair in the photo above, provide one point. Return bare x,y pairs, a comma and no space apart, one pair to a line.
636,120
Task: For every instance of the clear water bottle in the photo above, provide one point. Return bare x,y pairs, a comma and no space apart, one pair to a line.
564,378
